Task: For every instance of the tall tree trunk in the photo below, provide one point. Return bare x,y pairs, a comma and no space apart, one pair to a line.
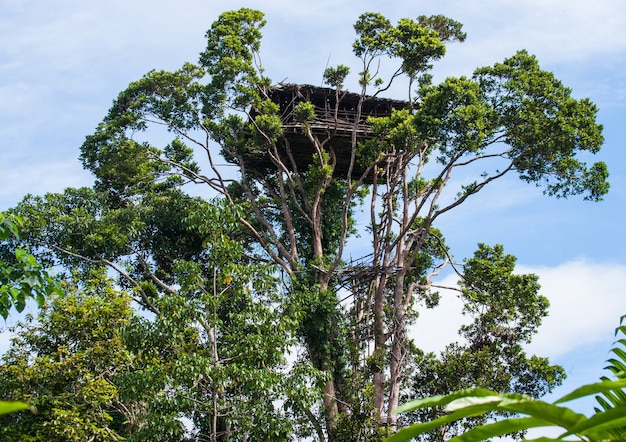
378,376
396,364
398,334
331,409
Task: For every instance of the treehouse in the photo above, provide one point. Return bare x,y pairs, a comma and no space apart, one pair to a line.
333,124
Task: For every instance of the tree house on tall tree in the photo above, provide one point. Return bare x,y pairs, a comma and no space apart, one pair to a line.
338,124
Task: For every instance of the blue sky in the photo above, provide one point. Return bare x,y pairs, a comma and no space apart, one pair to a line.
62,62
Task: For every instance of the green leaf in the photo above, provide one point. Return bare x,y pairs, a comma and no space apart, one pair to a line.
12,406
442,400
590,389
600,422
561,416
500,428
421,428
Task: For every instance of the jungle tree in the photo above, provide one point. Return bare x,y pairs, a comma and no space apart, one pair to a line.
62,362
297,208
209,344
506,309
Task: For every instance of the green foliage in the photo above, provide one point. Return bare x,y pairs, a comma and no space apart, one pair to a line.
214,341
507,310
517,103
267,128
7,407
395,133
612,400
125,167
374,35
607,423
535,413
321,325
135,377
21,275
507,306
536,104
213,354
304,111
231,58
63,365
415,42
335,77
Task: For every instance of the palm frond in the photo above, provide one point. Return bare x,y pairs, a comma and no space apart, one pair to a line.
609,401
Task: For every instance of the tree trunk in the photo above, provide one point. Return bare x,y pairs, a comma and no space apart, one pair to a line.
378,377
397,352
330,406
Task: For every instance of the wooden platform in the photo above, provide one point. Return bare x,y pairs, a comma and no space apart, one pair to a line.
334,124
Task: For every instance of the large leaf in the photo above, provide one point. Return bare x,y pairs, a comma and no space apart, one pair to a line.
590,389
7,407
599,422
417,429
500,428
473,395
560,416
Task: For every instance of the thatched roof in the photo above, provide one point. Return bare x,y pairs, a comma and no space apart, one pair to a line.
325,99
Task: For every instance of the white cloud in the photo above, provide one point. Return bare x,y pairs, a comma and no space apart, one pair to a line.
586,301
38,179
558,30
438,327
